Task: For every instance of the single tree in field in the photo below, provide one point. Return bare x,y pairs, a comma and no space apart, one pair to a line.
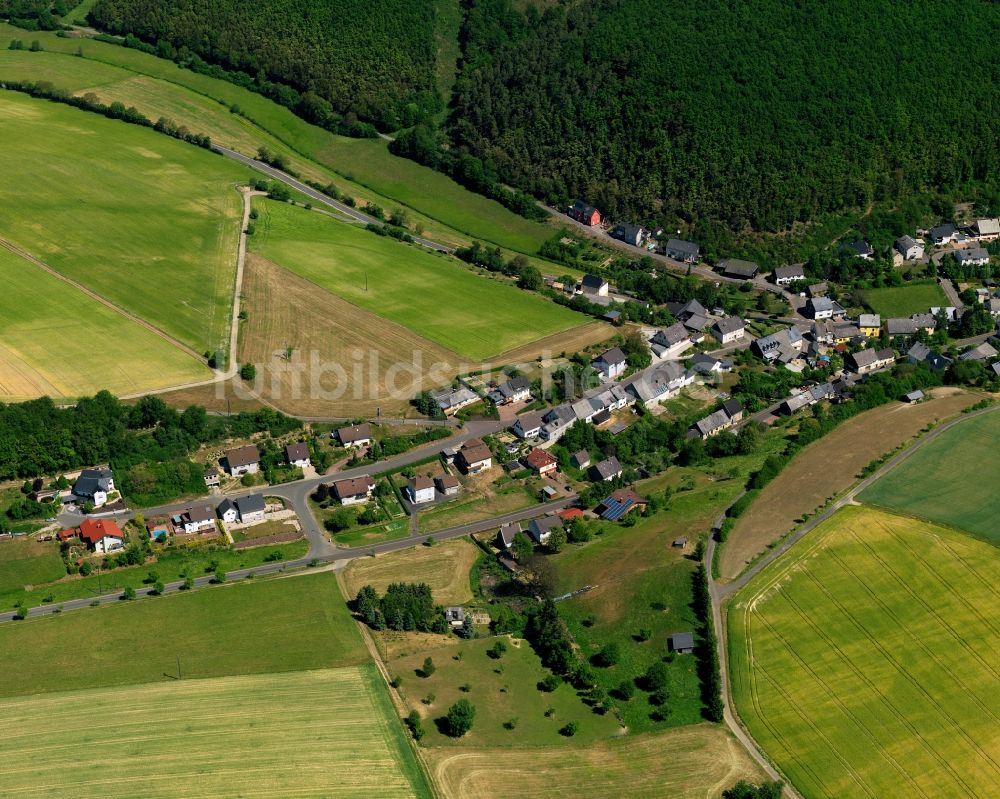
459,719
428,667
248,372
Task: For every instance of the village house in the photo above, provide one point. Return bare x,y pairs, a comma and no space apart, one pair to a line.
505,535
784,345
619,504
101,535
707,365
784,275
983,352
514,390
474,457
900,327
585,214
557,421
594,285
738,269
297,455
671,342
528,425
630,234
924,321
212,477
611,363
94,486
974,256
730,413
580,460
921,353
909,248
871,360
612,399
197,519
541,461
357,435
243,460
817,289
687,252
985,229
943,234
450,401
861,249
806,397
420,490
541,529
729,330
447,484
846,333
353,491
660,383
244,510
607,470
869,324
823,308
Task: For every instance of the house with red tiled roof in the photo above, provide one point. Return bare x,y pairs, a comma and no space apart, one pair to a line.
101,535
541,461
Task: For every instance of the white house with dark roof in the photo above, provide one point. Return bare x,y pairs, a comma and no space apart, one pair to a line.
871,360
420,490
973,256
783,345
94,485
636,235
823,308
729,330
861,249
541,529
909,248
610,363
607,470
297,455
943,234
671,342
514,390
357,435
197,518
595,285
353,491
686,252
450,401
784,275
243,460
528,425
660,383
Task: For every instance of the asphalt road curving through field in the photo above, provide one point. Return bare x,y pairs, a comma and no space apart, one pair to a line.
719,593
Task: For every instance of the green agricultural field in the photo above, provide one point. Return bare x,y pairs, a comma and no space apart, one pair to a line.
905,300
24,561
56,340
328,733
366,163
864,660
431,295
153,229
272,625
947,480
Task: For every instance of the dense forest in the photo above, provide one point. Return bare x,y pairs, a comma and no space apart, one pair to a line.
752,114
372,58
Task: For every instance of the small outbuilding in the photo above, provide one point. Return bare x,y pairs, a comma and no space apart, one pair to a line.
914,396
682,643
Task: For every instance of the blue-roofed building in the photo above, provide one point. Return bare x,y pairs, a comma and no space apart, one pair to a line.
619,504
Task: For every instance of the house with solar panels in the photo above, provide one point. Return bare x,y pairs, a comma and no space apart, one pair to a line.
619,504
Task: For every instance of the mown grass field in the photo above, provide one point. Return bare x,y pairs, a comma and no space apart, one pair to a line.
501,690
827,467
56,340
365,163
431,295
24,561
691,763
275,625
309,733
864,660
905,300
153,228
949,479
444,567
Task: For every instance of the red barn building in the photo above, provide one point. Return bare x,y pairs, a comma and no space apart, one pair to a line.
584,213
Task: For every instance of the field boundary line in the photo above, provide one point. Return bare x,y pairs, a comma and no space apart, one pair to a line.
13,248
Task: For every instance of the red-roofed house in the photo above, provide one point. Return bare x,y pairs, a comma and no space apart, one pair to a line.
541,461
102,535
570,513
65,535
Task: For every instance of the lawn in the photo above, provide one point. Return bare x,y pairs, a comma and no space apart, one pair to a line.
947,480
695,762
153,229
432,295
828,466
444,567
249,736
25,561
171,566
864,660
501,690
905,300
56,340
273,625
476,507
366,163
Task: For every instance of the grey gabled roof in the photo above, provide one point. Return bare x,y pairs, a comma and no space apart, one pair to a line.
791,271
972,254
682,641
682,246
607,468
593,282
729,325
900,327
943,231
737,266
611,357
251,503
226,505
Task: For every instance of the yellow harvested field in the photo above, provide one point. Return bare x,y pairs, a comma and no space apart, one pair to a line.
687,763
302,734
568,341
346,361
444,567
828,466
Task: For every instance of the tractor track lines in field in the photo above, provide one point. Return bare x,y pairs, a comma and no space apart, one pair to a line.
905,673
